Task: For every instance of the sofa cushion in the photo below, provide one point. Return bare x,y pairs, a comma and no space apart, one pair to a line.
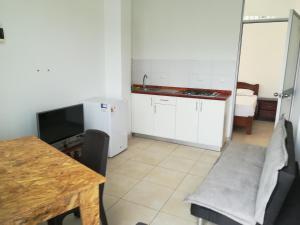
276,158
231,186
285,180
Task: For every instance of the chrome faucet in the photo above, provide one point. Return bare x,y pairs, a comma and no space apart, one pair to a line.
144,81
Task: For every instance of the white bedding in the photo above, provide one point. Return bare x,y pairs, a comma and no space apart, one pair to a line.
245,105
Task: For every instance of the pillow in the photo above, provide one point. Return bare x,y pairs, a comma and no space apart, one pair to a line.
244,92
276,158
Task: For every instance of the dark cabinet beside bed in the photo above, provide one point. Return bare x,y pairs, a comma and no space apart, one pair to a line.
266,109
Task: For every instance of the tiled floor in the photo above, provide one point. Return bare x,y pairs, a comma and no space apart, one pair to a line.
261,133
149,181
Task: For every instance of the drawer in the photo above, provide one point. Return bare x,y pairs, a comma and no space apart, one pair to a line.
268,115
164,100
268,105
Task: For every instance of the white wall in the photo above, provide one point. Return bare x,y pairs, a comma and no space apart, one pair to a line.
186,42
262,56
65,36
118,51
278,8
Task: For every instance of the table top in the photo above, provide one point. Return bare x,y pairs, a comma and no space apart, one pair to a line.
34,174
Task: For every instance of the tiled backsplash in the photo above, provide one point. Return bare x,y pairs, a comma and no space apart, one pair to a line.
185,73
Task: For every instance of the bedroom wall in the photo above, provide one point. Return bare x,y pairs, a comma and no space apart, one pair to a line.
262,56
278,8
186,43
64,36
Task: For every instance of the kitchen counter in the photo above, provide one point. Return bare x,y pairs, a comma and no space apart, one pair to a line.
221,95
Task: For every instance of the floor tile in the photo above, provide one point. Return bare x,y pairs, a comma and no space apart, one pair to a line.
160,146
261,133
140,143
134,169
109,201
209,157
127,213
165,177
177,207
189,184
72,220
166,219
151,156
177,164
114,163
201,169
118,185
127,154
187,152
148,194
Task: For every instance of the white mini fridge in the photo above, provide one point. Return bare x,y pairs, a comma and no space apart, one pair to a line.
111,117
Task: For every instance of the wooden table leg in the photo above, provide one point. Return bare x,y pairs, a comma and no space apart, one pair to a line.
89,206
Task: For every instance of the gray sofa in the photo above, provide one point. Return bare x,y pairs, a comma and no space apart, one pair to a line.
249,184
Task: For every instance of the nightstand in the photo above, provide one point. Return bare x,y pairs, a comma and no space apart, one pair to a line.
267,108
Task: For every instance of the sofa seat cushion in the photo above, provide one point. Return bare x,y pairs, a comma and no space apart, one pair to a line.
231,186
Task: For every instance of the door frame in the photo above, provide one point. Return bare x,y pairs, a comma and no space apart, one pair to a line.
292,12
243,22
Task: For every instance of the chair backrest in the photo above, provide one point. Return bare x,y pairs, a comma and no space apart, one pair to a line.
95,150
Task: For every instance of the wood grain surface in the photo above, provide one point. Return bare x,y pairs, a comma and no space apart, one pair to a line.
38,182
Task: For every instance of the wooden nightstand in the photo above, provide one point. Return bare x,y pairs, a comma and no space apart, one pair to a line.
267,108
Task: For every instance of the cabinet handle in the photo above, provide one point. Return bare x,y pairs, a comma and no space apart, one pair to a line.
164,100
201,106
196,106
151,101
154,109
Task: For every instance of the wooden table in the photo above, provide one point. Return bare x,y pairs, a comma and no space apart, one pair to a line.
37,182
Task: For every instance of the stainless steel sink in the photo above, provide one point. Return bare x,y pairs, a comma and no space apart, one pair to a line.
200,93
151,89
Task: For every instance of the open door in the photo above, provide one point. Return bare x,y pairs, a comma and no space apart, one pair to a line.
286,94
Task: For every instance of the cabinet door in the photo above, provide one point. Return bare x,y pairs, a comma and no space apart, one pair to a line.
142,114
211,122
187,119
164,120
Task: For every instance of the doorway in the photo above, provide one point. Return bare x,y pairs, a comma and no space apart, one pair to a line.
260,73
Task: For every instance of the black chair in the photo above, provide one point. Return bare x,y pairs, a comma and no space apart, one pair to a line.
94,155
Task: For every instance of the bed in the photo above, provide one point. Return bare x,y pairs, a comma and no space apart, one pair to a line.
246,105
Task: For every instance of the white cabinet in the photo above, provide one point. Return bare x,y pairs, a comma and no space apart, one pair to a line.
142,114
187,116
197,121
211,122
164,117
